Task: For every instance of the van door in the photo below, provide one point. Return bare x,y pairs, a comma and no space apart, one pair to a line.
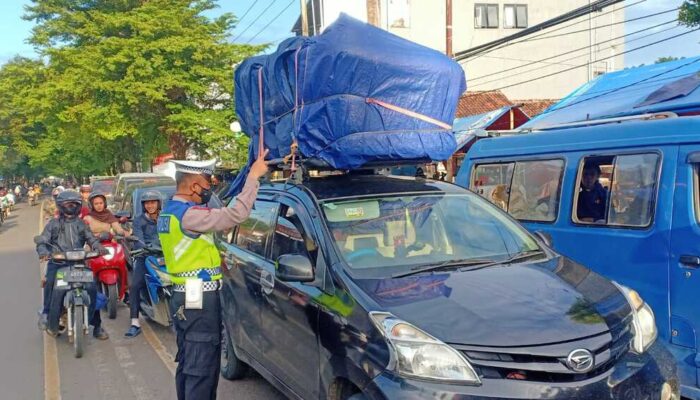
290,309
243,258
684,271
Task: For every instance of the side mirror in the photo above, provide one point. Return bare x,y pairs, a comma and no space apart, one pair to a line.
545,238
294,268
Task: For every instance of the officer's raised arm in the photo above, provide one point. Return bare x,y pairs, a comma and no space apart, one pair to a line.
203,219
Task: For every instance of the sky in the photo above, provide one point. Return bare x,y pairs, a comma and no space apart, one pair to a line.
282,14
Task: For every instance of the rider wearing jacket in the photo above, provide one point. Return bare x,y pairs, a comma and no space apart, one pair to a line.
145,229
66,233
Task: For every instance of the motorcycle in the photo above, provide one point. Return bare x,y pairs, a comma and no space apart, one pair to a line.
111,272
70,296
32,198
156,302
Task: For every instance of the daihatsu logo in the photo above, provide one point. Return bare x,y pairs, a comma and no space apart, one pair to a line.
580,360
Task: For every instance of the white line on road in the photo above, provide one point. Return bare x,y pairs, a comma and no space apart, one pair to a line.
159,348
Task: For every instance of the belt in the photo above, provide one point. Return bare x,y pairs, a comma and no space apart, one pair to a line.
195,273
209,286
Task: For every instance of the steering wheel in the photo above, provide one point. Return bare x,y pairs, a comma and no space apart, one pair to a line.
366,252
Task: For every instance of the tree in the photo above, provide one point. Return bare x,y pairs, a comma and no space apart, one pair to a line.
689,13
141,75
666,59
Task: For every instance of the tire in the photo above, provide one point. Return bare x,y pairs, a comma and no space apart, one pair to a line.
113,298
232,368
78,331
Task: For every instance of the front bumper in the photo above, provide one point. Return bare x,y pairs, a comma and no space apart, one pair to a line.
633,377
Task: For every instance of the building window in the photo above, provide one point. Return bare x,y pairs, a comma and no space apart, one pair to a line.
515,16
527,190
399,13
617,190
486,15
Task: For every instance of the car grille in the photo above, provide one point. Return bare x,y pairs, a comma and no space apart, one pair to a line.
547,363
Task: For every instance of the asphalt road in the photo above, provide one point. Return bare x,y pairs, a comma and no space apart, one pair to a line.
36,366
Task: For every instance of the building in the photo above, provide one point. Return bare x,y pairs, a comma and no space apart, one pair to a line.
517,69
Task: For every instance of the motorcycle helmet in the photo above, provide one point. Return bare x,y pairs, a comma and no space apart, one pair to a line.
95,195
85,188
56,191
151,195
69,203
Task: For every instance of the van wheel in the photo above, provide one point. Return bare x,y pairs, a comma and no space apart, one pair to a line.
231,367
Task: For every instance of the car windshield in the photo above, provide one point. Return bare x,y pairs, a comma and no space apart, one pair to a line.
388,235
103,186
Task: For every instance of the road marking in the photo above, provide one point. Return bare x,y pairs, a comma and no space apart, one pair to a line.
159,347
52,377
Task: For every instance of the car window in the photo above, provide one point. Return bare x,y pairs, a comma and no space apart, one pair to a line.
253,233
528,190
397,233
289,237
616,190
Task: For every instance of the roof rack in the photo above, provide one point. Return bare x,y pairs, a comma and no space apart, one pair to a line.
603,121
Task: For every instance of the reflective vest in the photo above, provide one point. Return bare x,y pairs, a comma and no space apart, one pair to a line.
185,252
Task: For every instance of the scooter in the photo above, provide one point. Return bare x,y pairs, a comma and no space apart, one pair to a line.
156,304
111,272
70,296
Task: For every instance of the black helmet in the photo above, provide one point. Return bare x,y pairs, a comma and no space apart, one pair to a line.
64,201
151,195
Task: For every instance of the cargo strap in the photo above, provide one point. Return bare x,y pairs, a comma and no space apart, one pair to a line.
409,113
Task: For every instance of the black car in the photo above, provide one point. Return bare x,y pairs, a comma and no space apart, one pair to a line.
376,287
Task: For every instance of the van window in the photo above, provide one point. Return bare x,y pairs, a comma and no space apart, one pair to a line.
528,190
289,235
254,232
617,190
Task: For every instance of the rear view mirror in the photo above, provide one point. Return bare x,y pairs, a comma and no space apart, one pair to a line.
294,268
545,238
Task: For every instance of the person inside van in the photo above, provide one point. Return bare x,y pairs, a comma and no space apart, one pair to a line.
592,196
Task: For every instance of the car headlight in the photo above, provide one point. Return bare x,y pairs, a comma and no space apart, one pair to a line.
643,320
417,354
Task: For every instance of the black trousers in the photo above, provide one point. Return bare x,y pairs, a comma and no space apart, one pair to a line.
137,287
198,347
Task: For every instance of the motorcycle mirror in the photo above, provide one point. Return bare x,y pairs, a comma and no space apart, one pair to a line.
92,254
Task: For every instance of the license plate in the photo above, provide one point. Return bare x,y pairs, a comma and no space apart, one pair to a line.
78,276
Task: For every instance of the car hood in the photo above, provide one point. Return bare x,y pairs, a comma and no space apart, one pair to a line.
536,303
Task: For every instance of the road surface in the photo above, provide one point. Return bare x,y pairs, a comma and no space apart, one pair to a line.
35,366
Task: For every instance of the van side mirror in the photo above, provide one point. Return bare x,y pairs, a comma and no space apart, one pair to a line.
545,238
294,268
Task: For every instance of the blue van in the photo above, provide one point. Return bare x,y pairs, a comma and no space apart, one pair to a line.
611,175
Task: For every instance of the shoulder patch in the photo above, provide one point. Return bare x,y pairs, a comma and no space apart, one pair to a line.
164,224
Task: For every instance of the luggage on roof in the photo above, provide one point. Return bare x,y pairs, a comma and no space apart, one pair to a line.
353,96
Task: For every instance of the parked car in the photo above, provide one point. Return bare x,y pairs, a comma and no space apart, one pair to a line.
131,205
647,233
124,181
376,287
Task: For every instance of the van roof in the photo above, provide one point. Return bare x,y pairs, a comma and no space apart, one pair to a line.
351,185
638,133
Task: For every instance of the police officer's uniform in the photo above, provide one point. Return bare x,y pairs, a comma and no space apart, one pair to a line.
185,231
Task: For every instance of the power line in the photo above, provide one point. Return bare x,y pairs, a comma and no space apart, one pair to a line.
541,35
247,11
601,59
271,21
255,20
570,58
573,51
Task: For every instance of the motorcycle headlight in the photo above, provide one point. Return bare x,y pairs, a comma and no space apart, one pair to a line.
417,354
643,320
109,255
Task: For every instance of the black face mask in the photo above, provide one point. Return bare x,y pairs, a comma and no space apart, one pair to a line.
71,210
205,195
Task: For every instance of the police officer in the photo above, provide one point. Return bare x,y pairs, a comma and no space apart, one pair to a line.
185,228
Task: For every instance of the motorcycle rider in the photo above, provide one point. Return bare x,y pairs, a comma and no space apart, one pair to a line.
85,191
50,209
67,233
100,219
145,229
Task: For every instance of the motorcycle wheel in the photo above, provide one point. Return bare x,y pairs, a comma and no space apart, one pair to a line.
112,296
232,368
78,331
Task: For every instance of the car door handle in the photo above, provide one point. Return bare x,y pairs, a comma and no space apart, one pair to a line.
690,261
267,281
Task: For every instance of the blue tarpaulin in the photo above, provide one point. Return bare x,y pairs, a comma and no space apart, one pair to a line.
668,86
352,96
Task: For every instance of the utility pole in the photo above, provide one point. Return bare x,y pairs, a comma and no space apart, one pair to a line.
304,19
373,14
590,45
448,28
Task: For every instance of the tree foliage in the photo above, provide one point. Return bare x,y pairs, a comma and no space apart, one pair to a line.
121,80
689,13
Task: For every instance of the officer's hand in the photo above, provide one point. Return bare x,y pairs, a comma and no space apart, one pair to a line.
259,167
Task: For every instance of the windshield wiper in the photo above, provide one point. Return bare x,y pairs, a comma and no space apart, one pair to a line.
442,265
469,264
